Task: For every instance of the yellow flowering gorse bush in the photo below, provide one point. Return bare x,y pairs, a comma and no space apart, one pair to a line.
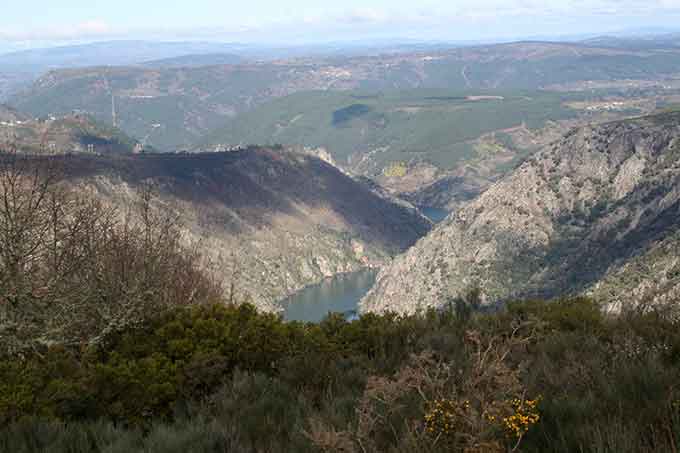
525,415
459,422
446,417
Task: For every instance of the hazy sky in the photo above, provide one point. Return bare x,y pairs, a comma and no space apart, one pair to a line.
33,22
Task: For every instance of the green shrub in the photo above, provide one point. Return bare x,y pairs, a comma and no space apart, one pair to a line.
227,378
576,314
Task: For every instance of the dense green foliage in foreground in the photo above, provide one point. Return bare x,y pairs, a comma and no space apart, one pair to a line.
537,377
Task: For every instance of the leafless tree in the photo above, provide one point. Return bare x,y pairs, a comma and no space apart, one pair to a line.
73,269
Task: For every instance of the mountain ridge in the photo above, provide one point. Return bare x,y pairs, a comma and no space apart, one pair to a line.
268,221
570,215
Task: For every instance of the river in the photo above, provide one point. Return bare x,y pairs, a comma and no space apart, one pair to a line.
340,294
434,214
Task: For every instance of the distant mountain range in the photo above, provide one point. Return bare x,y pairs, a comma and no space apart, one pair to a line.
176,104
670,40
130,52
18,69
110,53
196,60
21,68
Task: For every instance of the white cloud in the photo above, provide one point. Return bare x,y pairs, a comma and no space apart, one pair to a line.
83,30
459,18
490,10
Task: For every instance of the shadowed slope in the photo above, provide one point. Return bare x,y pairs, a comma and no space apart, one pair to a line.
269,221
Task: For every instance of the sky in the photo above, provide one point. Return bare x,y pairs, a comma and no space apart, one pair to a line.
35,23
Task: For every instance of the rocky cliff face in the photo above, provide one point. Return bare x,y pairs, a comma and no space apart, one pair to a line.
653,277
269,222
589,210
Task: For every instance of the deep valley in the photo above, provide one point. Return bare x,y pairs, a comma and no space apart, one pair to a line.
365,246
